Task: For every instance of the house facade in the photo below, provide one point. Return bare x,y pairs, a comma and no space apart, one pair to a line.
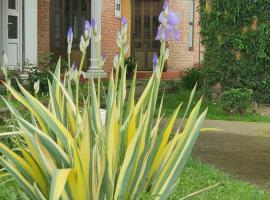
33,28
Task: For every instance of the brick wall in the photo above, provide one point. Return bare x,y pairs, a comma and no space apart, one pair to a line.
43,26
109,27
180,55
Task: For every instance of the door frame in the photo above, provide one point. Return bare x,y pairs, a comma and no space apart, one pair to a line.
5,33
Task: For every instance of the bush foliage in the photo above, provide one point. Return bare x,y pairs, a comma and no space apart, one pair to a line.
237,100
236,35
192,77
42,73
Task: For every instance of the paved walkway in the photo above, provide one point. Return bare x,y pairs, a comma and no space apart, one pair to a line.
242,150
264,109
240,128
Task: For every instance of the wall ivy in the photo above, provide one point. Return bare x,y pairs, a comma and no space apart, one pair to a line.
236,36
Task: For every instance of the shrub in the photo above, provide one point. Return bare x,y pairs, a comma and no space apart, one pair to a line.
237,100
191,77
72,152
131,64
168,86
42,73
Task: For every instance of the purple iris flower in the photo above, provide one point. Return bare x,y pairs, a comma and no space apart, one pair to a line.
124,21
172,18
165,5
70,35
87,26
93,23
94,26
74,66
171,32
155,60
87,30
169,24
156,68
161,34
73,72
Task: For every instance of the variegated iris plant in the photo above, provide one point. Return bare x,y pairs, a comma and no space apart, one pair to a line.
66,151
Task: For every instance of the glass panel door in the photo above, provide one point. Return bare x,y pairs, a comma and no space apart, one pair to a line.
13,33
144,29
69,13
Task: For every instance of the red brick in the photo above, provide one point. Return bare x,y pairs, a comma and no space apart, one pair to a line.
43,26
180,55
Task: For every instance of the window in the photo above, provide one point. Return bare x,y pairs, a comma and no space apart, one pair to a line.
145,24
191,25
68,13
12,27
118,8
12,4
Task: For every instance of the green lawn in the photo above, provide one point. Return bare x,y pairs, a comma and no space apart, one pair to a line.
11,191
215,110
196,176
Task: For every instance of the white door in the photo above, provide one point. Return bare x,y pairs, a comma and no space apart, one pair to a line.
13,33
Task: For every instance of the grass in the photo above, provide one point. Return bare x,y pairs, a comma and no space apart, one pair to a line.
196,176
11,191
215,110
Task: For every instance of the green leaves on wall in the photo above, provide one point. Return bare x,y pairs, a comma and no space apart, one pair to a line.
236,36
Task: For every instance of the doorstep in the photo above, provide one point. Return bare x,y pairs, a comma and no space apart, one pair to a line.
171,75
145,75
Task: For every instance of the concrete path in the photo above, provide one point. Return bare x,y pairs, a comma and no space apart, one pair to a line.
242,150
264,109
241,128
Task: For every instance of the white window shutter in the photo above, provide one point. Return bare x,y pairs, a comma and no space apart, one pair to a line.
191,25
118,8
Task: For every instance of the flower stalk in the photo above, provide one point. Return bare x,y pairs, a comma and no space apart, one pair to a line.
84,43
100,59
